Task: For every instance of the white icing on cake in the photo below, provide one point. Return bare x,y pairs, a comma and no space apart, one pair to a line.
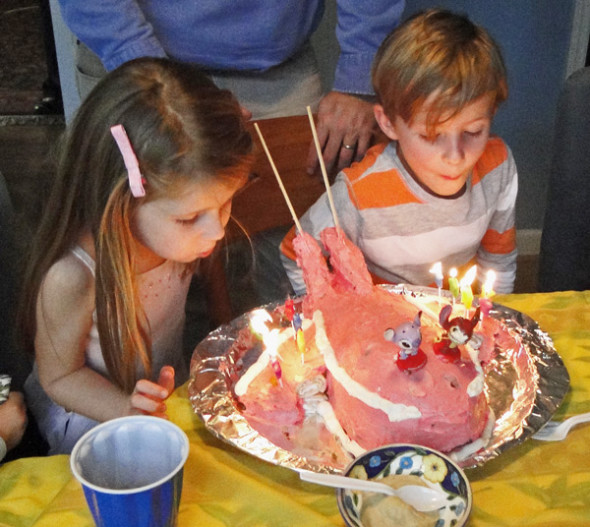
395,412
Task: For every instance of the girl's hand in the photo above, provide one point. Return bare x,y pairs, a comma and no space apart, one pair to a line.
148,397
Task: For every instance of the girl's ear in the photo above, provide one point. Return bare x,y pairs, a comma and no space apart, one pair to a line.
384,123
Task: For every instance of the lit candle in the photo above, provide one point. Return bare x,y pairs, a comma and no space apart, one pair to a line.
487,289
301,343
453,283
299,337
487,292
465,284
436,270
271,342
269,338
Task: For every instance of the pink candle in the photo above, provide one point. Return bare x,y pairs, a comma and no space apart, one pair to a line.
487,292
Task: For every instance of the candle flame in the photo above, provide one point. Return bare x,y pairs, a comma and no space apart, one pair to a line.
453,272
469,277
270,338
436,270
488,287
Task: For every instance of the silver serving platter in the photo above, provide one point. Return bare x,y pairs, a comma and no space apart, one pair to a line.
524,384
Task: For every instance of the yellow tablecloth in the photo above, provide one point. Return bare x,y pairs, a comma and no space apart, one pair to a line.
533,484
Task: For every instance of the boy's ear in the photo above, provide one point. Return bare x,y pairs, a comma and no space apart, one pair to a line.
384,123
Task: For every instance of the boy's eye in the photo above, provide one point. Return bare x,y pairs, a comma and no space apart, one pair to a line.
429,138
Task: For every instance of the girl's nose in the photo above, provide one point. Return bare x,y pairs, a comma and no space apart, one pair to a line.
453,149
214,228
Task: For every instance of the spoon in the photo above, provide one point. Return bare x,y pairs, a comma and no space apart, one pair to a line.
555,431
422,499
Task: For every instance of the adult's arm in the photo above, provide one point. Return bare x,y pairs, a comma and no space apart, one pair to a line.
345,115
116,30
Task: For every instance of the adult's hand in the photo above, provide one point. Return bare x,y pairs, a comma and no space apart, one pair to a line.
13,419
345,126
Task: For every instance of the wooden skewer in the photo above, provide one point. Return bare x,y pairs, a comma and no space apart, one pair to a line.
323,167
279,180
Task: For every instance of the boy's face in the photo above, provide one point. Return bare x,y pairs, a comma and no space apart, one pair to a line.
442,162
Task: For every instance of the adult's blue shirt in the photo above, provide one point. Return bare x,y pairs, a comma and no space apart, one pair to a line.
232,34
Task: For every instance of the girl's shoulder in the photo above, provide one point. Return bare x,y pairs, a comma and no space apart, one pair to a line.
72,280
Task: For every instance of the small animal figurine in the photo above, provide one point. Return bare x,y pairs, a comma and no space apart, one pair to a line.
459,331
408,337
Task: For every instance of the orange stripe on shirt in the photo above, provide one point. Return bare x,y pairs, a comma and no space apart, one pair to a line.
499,242
287,244
494,155
377,189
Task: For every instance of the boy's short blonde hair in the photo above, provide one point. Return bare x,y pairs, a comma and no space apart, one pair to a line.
440,54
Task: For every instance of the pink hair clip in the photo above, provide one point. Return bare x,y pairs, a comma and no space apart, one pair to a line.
130,159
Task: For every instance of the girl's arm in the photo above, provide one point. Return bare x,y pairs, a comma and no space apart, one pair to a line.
64,318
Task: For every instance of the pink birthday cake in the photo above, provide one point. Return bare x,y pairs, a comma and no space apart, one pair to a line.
373,367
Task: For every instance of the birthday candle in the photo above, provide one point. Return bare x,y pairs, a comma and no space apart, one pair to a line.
436,270
271,343
269,338
453,282
301,342
299,337
465,284
487,291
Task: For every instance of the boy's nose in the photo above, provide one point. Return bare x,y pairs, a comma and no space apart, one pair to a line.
453,150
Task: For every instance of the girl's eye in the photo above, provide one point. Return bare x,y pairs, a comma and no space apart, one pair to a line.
475,133
188,221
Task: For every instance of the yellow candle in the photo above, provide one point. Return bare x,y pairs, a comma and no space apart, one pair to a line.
465,284
453,283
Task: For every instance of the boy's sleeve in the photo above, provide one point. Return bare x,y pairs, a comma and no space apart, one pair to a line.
498,246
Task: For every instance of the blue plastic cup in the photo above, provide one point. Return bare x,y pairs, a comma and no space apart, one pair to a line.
131,471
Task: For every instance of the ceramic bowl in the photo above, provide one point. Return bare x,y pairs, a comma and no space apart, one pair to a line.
431,466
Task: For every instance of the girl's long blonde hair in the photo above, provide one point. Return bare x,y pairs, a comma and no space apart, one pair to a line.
183,129
440,53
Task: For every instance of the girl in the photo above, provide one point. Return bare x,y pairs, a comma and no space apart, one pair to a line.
143,191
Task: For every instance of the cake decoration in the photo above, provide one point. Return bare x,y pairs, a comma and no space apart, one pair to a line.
408,337
459,331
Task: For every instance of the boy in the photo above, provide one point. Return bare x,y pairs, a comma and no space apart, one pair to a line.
442,189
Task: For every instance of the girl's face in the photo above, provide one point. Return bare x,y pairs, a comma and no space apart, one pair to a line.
442,162
185,227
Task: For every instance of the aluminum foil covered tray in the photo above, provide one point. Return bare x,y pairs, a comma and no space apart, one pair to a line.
524,387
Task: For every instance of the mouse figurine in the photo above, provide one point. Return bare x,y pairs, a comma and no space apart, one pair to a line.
459,331
408,337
